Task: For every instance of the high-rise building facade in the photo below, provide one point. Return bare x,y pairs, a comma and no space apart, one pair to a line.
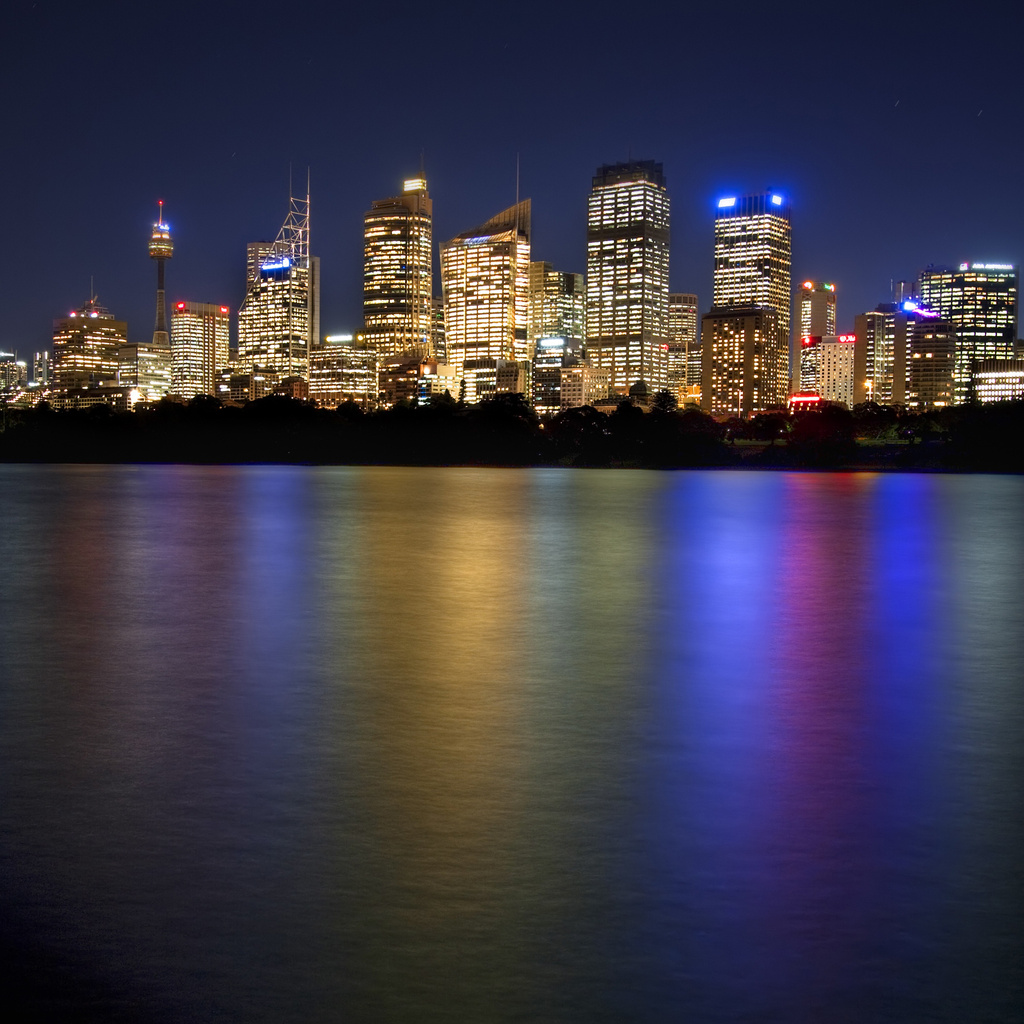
145,368
930,369
550,356
814,316
200,336
485,278
753,255
627,274
740,355
557,304
555,332
809,363
880,369
398,273
280,316
85,347
343,370
683,367
814,309
13,372
438,342
41,368
979,301
836,355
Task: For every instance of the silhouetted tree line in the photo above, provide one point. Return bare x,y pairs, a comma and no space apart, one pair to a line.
505,431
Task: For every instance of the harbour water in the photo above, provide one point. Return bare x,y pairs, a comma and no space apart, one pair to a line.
293,744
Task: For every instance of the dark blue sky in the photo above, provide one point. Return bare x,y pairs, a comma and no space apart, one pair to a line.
894,127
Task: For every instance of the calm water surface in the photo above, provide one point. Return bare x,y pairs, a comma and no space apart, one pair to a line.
325,744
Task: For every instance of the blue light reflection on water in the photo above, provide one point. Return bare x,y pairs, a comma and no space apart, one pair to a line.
702,788
801,817
501,745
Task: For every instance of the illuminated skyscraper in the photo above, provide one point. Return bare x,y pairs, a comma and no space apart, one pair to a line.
814,316
932,350
41,368
979,300
85,347
557,304
256,254
200,334
808,362
880,368
753,252
13,372
815,312
485,277
556,330
752,271
683,378
398,273
280,316
438,344
836,368
627,274
145,367
739,354
343,370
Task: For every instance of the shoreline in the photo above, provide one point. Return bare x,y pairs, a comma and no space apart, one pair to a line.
505,431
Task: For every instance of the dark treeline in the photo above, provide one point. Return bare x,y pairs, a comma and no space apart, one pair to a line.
505,431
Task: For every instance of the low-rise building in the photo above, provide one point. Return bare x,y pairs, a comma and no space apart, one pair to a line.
343,370
583,384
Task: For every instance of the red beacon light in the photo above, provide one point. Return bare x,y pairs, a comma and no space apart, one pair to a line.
223,309
181,305
804,400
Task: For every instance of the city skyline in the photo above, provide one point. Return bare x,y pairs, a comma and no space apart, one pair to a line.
242,267
859,218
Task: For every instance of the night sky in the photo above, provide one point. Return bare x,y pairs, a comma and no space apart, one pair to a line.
894,128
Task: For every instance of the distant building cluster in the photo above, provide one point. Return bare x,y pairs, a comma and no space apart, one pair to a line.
503,322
